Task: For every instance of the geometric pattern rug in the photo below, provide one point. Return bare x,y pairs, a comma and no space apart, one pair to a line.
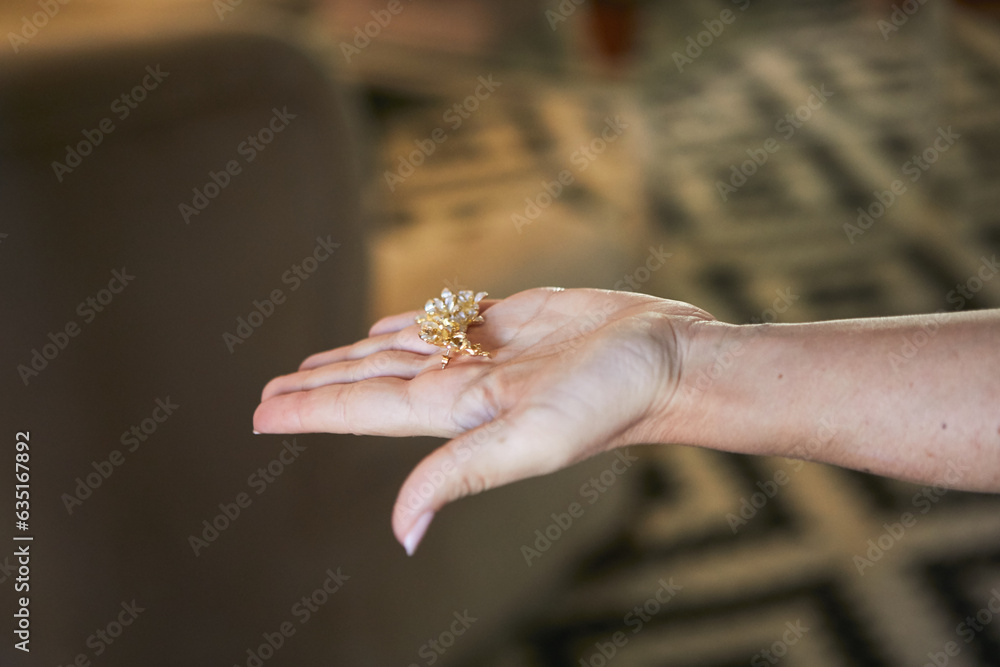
731,560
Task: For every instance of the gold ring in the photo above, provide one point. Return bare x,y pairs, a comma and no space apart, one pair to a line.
446,320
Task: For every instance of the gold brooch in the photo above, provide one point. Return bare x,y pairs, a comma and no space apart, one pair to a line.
446,321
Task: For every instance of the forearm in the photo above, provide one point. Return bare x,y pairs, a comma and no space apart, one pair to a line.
915,398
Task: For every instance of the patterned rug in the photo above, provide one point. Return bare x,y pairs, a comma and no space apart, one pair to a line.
810,161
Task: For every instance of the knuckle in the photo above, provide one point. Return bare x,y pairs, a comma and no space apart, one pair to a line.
311,360
272,388
399,338
309,409
470,484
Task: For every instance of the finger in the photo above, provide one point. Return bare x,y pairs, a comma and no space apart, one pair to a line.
378,406
394,323
534,441
407,339
390,363
485,304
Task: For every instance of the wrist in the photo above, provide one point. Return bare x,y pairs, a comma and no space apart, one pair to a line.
728,395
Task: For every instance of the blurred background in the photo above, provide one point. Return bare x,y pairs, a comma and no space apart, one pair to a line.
276,175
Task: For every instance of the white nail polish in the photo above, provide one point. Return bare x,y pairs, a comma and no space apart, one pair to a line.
416,533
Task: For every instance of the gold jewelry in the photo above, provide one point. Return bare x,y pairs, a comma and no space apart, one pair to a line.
446,321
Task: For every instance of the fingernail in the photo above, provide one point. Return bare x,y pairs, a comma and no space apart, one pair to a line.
256,432
416,533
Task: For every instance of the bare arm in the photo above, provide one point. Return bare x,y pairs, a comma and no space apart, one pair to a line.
916,398
577,372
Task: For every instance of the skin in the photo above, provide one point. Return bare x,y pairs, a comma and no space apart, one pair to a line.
577,372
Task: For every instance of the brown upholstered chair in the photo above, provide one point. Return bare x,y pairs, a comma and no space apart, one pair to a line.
165,367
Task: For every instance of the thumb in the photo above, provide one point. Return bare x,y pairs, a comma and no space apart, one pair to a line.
533,441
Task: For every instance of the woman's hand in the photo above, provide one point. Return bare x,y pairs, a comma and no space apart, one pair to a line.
578,372
573,373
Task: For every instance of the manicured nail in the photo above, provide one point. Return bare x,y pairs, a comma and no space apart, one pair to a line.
416,533
256,432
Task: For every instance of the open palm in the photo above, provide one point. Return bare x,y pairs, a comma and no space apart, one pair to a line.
572,373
